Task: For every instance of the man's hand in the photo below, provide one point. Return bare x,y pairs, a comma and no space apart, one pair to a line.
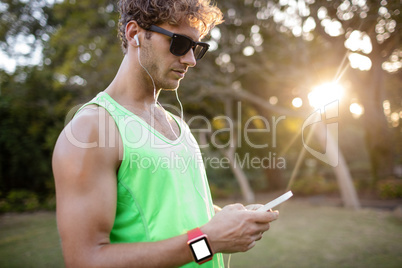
236,229
254,206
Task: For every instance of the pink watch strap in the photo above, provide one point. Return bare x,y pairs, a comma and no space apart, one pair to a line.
192,234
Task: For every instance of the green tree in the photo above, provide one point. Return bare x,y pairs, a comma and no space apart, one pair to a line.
270,50
285,48
28,123
335,22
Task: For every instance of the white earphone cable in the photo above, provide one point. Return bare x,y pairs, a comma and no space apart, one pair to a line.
155,99
181,106
182,120
153,82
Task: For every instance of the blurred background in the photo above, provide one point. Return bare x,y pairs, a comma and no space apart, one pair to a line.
271,65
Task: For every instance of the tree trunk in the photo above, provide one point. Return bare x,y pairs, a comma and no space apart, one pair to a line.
348,192
230,153
378,134
274,178
247,192
346,187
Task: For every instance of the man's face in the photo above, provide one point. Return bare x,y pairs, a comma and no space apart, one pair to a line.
165,68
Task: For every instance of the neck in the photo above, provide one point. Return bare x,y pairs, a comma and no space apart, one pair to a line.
132,85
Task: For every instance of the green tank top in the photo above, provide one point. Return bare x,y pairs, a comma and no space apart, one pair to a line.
162,188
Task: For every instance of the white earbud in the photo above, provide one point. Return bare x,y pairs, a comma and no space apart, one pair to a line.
136,40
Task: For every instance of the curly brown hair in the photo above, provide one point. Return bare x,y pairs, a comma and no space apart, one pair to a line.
200,14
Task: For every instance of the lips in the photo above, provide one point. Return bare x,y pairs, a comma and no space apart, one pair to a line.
180,72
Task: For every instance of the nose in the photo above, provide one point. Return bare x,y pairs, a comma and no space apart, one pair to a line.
189,58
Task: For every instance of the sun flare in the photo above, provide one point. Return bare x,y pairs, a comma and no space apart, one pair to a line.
325,94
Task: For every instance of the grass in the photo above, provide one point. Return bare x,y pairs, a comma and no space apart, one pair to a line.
29,240
303,236
318,236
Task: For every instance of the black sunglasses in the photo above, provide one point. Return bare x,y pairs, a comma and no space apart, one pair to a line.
181,44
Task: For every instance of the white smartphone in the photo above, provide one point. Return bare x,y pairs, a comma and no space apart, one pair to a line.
276,201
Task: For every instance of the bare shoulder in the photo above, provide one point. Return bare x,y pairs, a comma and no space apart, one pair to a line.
90,136
85,167
90,128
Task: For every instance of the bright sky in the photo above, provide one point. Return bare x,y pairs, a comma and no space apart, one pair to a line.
23,45
6,63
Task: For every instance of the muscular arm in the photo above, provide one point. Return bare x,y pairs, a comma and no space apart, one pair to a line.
86,201
85,162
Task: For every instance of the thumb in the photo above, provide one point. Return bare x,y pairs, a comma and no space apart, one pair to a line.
236,206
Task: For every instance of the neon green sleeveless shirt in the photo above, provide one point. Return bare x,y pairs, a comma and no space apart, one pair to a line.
162,189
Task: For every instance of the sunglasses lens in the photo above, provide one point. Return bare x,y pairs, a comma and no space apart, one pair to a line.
200,50
180,45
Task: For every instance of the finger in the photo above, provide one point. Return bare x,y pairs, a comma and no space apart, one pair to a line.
253,206
250,246
264,217
236,206
217,208
259,236
263,227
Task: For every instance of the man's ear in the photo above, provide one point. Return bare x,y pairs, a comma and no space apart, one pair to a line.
132,33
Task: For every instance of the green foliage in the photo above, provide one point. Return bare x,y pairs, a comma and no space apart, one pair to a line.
35,100
390,188
313,185
219,192
81,55
84,52
27,19
29,122
19,200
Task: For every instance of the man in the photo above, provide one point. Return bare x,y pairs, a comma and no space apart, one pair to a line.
117,205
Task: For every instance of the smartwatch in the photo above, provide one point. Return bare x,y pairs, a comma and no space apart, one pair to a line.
199,246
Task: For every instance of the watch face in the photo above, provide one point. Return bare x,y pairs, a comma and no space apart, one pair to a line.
201,250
